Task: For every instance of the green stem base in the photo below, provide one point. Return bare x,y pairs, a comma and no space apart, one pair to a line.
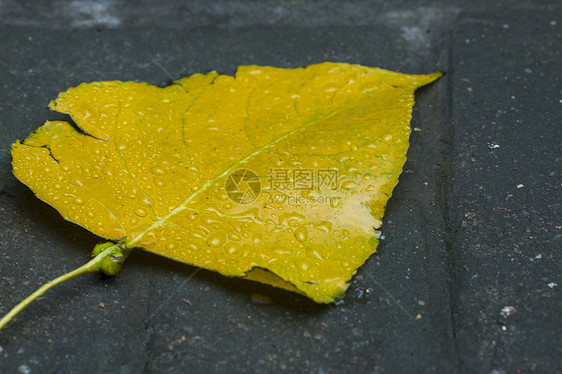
108,259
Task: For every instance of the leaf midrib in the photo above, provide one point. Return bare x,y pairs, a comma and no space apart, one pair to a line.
211,182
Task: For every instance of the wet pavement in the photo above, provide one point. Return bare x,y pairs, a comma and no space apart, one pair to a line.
467,277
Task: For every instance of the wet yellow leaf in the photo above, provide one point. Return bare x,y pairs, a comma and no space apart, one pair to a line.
275,175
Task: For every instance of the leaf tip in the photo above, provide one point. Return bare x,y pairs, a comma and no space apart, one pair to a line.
439,74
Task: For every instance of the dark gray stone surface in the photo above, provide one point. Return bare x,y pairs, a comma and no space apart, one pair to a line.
472,228
504,210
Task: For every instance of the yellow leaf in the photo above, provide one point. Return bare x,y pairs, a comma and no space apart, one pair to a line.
275,175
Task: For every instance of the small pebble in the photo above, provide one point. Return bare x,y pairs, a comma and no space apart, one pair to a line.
507,311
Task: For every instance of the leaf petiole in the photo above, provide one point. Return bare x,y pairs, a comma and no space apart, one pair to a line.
108,259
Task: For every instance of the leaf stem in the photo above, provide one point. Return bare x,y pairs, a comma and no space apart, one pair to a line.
90,267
